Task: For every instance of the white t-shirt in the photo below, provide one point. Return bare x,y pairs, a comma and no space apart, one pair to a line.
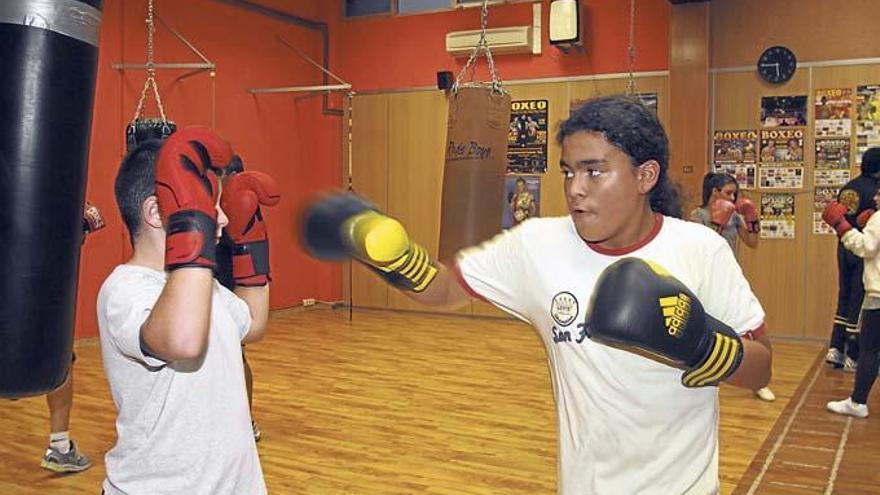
182,427
626,424
866,244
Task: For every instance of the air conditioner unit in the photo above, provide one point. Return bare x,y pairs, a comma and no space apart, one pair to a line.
513,39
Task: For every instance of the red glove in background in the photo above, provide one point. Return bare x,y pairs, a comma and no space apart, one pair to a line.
243,193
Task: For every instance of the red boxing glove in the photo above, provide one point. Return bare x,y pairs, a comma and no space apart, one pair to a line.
186,190
720,212
834,216
863,218
243,193
747,209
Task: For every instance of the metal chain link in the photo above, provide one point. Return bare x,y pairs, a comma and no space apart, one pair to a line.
349,107
631,50
151,69
482,45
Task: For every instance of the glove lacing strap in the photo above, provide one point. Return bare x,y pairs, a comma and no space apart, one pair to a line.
250,263
413,271
723,358
190,240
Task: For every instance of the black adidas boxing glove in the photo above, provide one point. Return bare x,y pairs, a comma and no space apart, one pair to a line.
638,304
340,226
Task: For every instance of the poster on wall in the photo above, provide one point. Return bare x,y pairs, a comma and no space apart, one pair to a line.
868,115
777,216
829,177
781,159
780,146
777,111
735,152
745,175
832,153
739,146
522,199
832,112
821,197
781,177
527,137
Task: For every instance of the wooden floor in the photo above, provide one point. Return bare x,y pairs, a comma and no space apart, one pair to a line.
405,403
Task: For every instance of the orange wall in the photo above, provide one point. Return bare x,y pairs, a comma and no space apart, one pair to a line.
406,51
289,139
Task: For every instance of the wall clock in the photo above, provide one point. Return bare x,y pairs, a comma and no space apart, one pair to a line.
777,64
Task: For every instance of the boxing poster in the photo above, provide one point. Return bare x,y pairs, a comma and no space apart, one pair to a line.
746,176
777,216
778,111
781,177
782,146
522,199
826,177
821,197
832,112
868,115
781,159
833,153
735,152
527,137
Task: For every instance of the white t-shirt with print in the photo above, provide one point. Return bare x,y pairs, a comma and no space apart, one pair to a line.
626,424
182,427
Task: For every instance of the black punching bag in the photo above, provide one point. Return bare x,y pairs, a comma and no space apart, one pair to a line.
48,63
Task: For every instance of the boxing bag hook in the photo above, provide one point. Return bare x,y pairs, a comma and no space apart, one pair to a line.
139,128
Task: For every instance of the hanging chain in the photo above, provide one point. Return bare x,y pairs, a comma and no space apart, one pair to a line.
349,107
349,137
631,51
482,45
151,69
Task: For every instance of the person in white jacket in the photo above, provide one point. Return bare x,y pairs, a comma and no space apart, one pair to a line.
864,244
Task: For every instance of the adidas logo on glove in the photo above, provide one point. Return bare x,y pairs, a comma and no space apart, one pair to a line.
676,311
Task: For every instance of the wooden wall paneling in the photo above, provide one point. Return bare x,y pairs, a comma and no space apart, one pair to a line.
814,29
369,179
776,268
689,97
821,262
659,85
417,151
552,201
582,90
594,88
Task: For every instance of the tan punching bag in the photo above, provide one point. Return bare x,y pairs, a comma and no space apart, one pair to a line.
476,161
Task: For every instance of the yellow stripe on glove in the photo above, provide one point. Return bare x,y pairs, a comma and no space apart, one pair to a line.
382,243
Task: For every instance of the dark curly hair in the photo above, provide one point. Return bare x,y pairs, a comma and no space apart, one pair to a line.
634,129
